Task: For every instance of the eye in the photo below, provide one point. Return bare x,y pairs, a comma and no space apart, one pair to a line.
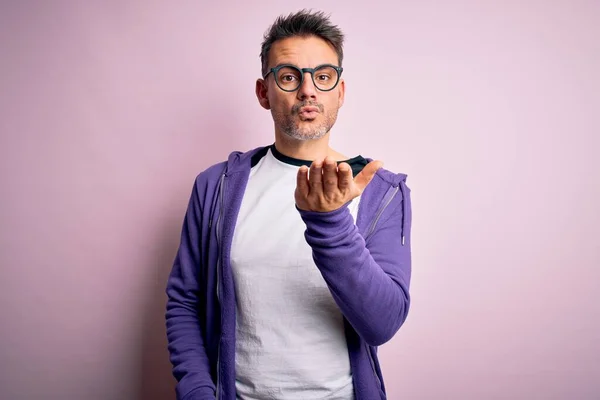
323,77
288,78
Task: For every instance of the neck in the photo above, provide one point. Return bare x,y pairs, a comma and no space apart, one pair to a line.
310,150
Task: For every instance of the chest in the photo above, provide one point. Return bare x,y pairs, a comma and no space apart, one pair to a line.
269,229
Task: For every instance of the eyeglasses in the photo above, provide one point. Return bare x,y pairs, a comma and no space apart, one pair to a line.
289,77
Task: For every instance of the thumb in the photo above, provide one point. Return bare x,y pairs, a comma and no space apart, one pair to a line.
366,175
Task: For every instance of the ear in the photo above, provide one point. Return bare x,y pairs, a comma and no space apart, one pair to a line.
261,94
342,92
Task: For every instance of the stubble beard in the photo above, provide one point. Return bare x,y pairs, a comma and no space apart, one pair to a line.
289,124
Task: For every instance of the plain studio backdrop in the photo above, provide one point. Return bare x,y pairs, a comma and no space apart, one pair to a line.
109,109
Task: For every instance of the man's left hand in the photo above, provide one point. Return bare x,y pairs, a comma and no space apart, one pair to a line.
330,185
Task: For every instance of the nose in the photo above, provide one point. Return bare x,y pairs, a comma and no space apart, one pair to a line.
307,89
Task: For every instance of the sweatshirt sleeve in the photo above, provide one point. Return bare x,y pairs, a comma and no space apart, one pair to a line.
191,367
369,280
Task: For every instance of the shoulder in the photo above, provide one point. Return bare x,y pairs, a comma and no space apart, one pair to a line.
237,160
392,178
206,181
211,173
385,178
387,189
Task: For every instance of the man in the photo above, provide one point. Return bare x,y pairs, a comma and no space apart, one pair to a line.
294,262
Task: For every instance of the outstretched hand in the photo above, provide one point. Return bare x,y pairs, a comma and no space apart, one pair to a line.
329,185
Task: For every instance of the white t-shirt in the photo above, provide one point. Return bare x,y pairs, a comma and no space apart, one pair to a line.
290,340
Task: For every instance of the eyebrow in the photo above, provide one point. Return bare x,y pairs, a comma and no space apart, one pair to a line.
295,65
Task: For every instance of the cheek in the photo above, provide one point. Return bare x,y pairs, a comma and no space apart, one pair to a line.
281,103
331,103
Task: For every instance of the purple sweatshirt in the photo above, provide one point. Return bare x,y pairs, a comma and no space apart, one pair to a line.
366,265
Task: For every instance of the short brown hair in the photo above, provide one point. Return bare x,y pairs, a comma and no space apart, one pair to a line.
302,23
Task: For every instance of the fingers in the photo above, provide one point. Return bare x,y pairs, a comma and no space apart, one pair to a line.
330,176
326,186
364,177
344,176
316,178
302,181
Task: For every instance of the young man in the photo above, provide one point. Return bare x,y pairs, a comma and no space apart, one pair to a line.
295,261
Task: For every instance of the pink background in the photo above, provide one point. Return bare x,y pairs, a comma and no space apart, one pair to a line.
109,109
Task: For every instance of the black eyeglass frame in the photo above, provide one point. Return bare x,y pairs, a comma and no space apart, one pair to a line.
303,71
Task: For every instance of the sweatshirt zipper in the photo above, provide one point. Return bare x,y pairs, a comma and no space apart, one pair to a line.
386,202
219,271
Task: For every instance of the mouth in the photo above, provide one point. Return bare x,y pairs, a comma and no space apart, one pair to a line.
308,112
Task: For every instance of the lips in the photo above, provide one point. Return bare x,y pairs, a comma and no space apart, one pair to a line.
308,109
308,112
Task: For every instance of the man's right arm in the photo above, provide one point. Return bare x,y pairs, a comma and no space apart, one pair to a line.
191,366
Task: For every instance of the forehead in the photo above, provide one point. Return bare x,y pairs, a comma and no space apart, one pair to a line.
302,51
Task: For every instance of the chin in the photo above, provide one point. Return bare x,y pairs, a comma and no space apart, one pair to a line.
307,134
